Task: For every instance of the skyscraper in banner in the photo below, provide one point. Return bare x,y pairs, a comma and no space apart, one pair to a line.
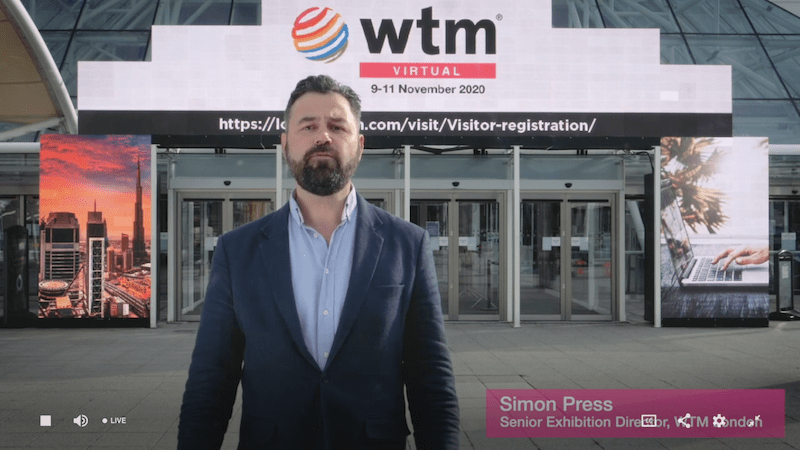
96,239
139,247
60,247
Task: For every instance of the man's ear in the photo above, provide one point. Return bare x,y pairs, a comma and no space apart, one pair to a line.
283,145
360,146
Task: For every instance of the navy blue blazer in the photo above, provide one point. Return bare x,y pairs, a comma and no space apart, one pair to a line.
390,336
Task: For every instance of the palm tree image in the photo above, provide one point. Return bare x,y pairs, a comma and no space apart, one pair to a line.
687,164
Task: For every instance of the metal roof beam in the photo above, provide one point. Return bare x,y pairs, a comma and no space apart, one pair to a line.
44,60
32,128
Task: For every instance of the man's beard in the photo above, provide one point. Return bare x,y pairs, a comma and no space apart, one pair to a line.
324,176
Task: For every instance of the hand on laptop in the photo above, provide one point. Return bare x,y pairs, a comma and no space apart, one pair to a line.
743,255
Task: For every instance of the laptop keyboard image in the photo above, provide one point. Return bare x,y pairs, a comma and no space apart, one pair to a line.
712,272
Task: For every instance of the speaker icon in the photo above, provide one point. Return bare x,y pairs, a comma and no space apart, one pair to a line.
81,421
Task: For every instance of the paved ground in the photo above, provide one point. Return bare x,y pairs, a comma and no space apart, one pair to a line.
139,374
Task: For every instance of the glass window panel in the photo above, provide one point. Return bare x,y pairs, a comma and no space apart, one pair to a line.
246,12
460,167
385,167
717,17
638,14
674,50
793,226
770,19
101,46
777,120
238,165
576,14
2,277
53,14
777,219
117,15
246,211
433,216
32,224
18,171
792,221
193,12
636,167
9,212
378,202
634,247
540,260
543,167
784,51
591,247
478,257
9,216
201,225
753,75
57,42
784,170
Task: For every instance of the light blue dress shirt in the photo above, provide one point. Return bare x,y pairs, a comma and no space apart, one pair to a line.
320,275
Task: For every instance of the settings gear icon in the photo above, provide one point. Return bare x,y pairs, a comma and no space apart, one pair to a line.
720,421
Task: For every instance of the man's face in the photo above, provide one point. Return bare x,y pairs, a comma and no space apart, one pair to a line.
322,143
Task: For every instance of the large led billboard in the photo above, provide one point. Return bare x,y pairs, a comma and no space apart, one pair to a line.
715,231
95,227
423,69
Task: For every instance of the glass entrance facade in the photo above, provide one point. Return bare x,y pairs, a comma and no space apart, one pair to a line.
201,225
465,239
202,221
540,259
567,257
784,229
479,290
592,259
478,258
433,216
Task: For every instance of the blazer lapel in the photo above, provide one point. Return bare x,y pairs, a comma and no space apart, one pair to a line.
367,249
275,253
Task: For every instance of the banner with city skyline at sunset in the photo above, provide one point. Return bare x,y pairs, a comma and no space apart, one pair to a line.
95,227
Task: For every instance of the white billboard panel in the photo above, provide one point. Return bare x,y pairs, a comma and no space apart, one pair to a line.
414,57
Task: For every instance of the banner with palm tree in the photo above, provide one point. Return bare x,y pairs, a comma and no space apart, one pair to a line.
715,206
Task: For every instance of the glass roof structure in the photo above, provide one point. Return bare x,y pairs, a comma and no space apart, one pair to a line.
760,40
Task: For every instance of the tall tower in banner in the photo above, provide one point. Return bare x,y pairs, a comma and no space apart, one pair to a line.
96,238
139,248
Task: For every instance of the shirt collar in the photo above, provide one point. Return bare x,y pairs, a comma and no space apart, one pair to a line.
347,212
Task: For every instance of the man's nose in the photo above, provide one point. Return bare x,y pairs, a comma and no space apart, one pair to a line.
322,137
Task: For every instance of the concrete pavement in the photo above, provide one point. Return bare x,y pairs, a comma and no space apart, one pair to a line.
139,374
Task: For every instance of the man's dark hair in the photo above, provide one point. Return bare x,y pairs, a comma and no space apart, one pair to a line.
323,84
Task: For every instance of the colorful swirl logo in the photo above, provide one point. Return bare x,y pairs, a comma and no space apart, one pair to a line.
320,34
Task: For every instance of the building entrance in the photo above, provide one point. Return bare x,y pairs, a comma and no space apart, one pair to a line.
467,250
567,257
202,219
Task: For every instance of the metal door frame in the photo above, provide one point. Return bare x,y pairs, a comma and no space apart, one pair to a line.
565,199
181,195
453,197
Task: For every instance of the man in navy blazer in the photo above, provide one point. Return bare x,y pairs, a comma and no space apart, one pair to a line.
324,362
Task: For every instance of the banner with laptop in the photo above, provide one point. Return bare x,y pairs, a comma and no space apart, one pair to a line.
95,234
715,261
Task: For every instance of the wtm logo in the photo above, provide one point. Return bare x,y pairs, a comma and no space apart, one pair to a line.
320,34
